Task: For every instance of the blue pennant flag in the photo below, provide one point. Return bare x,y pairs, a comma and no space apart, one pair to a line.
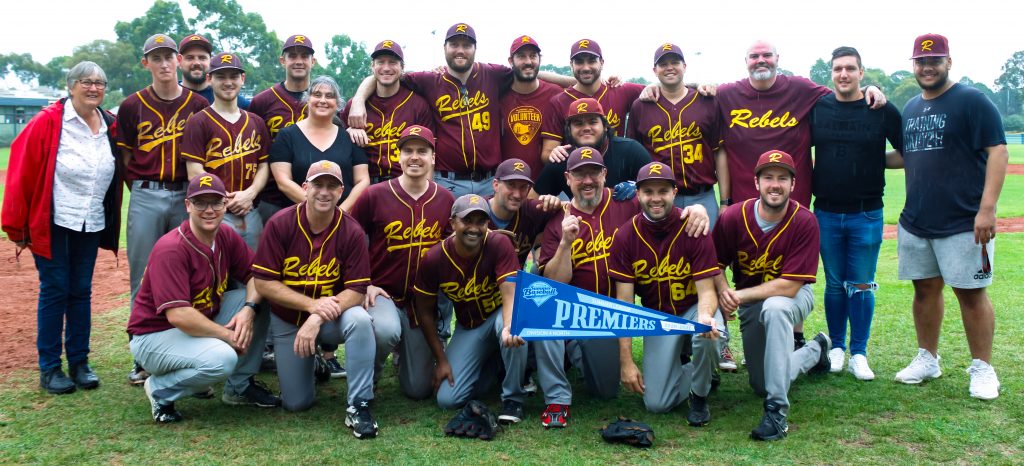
548,310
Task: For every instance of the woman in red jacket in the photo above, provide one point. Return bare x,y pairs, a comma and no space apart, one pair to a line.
62,200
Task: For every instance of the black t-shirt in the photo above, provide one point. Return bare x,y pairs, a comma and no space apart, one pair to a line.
849,153
291,146
624,159
944,141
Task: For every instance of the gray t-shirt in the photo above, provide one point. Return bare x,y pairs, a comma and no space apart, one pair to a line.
763,224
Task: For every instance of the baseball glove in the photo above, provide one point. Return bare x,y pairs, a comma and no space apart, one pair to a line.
630,432
321,371
474,420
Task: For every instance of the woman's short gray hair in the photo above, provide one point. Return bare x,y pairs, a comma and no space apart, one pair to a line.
84,70
324,81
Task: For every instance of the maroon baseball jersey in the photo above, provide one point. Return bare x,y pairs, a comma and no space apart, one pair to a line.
683,136
386,117
614,100
790,250
521,118
468,135
314,264
470,282
278,108
662,262
754,122
184,272
401,229
590,251
150,128
232,151
526,225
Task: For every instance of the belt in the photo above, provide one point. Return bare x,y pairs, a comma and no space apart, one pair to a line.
164,185
471,176
847,207
695,190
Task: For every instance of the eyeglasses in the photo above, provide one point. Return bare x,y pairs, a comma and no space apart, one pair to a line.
580,175
90,83
203,205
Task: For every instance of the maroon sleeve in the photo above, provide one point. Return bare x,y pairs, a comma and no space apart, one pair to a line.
507,263
240,255
800,262
632,91
633,123
703,258
362,210
427,274
265,141
193,139
424,116
127,123
168,275
258,105
552,123
725,248
620,268
272,248
357,258
343,113
419,80
552,236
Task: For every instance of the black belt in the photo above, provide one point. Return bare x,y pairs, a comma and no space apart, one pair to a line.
164,185
471,176
695,190
847,207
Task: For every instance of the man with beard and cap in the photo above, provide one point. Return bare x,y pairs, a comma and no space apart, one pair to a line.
955,153
771,243
392,108
523,105
586,61
194,53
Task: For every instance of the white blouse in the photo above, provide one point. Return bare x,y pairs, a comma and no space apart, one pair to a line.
85,167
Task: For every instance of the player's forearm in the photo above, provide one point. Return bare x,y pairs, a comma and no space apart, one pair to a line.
126,156
194,324
546,146
721,283
365,90
722,170
559,268
776,287
283,296
251,295
282,172
555,78
260,180
893,159
193,168
625,350
362,181
425,313
349,298
508,298
707,298
995,175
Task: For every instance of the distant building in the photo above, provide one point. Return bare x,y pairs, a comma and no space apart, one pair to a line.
17,107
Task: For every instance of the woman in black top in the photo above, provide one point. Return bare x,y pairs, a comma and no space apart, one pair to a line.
314,139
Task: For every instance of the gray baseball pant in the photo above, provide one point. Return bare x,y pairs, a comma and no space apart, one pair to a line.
666,383
467,354
387,332
600,366
354,328
415,362
152,212
767,328
249,226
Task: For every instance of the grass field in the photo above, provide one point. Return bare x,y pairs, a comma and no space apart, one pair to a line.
834,419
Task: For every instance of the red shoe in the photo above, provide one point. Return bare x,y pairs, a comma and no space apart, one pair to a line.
727,363
555,416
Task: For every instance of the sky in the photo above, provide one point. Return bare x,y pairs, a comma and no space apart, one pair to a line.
714,35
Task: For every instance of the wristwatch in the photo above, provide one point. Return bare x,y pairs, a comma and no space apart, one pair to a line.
726,201
250,304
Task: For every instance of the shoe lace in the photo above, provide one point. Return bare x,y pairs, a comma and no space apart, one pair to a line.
363,413
982,374
920,362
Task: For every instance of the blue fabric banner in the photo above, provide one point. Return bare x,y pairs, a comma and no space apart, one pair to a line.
548,310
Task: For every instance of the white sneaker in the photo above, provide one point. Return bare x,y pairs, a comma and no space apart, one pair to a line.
859,367
923,367
984,383
836,358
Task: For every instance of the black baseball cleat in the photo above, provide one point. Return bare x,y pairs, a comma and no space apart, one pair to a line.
163,413
359,418
511,412
138,375
773,424
55,382
699,414
321,370
83,376
256,394
824,362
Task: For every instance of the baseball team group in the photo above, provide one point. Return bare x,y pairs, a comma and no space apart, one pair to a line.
296,222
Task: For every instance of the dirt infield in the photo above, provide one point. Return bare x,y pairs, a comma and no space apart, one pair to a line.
1003,225
1015,169
18,314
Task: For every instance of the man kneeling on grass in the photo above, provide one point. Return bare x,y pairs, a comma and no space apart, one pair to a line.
187,331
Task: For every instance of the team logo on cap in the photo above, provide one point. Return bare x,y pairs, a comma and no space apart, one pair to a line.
526,39
474,200
159,39
666,47
193,38
387,44
461,28
655,169
584,44
775,157
300,39
415,130
325,165
586,154
926,45
226,59
581,108
518,166
206,181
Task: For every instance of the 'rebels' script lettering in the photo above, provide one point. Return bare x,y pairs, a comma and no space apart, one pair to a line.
293,267
456,107
589,251
676,135
771,268
276,123
400,236
168,131
663,271
742,117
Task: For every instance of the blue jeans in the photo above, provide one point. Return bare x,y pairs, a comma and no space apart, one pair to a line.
65,293
849,250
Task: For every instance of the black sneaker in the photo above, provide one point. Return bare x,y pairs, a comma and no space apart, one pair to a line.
83,376
798,340
337,371
163,413
824,362
699,414
511,412
268,362
773,425
256,394
138,375
359,418
321,371
55,382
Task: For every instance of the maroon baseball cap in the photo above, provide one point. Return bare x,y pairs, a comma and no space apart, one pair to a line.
461,29
388,46
520,42
513,169
225,61
299,40
775,158
469,203
930,45
205,183
159,41
667,48
584,156
416,132
194,40
585,46
655,171
585,106
322,168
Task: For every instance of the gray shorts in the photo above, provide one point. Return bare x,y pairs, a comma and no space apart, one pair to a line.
957,259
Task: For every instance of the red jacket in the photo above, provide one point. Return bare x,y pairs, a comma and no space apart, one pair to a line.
28,194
